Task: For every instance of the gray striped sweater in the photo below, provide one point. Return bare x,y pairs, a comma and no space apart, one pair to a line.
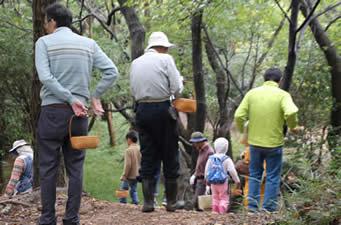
64,61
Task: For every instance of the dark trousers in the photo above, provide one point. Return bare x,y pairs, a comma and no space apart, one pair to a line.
158,139
53,137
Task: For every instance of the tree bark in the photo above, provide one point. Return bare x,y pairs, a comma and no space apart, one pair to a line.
38,16
222,129
291,62
334,61
108,114
198,73
136,29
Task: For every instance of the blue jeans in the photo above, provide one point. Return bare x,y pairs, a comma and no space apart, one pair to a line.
132,184
273,159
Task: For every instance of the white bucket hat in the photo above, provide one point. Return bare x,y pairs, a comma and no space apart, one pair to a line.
159,39
17,144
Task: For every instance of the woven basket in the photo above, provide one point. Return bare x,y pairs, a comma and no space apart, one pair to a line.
185,105
122,193
82,142
204,202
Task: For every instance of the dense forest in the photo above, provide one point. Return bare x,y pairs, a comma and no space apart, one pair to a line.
222,49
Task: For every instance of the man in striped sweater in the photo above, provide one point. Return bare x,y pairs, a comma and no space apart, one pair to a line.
64,61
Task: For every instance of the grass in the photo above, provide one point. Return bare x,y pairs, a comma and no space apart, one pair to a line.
104,166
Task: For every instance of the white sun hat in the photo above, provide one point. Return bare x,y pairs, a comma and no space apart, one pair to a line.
159,39
17,144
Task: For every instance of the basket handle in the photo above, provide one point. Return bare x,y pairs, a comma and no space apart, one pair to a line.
70,125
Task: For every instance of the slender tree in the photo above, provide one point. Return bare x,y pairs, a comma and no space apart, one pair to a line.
198,73
291,61
136,29
334,62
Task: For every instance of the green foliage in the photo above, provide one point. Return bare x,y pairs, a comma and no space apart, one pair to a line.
240,31
317,202
15,71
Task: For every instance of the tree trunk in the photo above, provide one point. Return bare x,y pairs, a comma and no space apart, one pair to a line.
38,30
108,114
222,129
136,29
198,73
290,67
221,84
334,61
2,180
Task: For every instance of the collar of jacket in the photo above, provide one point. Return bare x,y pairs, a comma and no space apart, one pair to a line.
204,147
271,83
150,50
62,29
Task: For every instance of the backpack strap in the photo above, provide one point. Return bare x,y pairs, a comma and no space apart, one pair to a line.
222,162
224,158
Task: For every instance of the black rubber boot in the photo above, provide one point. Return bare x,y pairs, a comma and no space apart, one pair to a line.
171,191
148,187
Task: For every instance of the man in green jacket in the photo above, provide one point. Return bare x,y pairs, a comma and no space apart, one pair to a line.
267,108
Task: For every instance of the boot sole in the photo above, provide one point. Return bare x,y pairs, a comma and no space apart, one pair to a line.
146,210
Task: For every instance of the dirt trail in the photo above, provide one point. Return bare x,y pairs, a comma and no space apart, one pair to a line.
97,212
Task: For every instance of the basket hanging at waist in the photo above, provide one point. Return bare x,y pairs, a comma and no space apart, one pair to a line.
185,105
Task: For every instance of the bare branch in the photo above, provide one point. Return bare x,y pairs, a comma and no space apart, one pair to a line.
80,16
120,109
325,10
221,63
284,13
331,22
183,140
15,202
100,19
15,26
111,15
124,112
82,19
247,59
264,54
311,17
307,19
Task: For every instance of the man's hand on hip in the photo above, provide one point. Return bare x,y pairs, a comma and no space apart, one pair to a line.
97,106
79,108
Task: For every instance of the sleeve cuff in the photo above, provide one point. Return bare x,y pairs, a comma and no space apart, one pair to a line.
72,99
96,94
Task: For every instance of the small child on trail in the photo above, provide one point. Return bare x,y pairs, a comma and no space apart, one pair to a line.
132,160
217,169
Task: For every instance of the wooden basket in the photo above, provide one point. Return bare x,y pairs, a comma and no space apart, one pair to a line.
122,193
82,142
185,105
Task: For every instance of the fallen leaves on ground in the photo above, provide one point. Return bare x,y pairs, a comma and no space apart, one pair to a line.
98,212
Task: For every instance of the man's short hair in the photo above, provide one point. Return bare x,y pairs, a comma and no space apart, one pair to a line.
60,14
132,135
273,74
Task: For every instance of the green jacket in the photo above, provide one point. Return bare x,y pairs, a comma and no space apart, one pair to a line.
267,108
